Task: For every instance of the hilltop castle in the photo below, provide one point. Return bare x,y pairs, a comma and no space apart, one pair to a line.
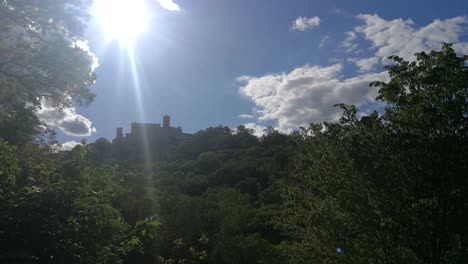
146,140
150,133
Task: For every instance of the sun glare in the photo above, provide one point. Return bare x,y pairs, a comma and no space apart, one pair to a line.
122,20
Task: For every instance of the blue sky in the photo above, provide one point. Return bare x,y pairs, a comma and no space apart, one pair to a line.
257,62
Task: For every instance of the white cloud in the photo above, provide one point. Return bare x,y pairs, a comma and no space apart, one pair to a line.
169,5
246,116
323,41
67,120
69,145
400,37
304,23
348,44
307,94
84,45
257,129
367,64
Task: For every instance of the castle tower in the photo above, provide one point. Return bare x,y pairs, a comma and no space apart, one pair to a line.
166,121
119,133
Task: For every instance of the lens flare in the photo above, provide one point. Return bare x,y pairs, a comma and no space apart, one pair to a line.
122,20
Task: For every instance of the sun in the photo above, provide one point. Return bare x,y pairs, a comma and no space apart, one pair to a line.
122,20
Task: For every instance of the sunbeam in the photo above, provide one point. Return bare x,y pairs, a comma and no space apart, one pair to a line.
122,20
141,113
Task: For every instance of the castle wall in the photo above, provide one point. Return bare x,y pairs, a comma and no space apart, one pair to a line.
152,132
147,140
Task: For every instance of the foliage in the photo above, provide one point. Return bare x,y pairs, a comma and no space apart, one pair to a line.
383,188
57,209
211,198
388,188
41,59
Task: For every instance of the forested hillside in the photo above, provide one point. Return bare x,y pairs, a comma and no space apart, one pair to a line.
388,187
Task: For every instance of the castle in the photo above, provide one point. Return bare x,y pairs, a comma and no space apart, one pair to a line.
150,132
147,139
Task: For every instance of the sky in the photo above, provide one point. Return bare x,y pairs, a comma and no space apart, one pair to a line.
280,63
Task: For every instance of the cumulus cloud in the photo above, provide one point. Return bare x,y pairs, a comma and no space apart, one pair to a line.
258,130
367,64
307,94
69,145
401,37
84,45
169,5
67,120
304,23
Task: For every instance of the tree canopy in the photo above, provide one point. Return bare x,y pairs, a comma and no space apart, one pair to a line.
42,57
390,187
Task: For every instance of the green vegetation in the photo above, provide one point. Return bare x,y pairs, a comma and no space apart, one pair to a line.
388,188
391,187
41,59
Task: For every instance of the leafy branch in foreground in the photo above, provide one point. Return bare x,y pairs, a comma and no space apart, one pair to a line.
42,58
388,188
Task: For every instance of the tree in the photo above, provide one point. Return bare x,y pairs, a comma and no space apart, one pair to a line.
389,188
428,96
42,58
428,110
55,208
